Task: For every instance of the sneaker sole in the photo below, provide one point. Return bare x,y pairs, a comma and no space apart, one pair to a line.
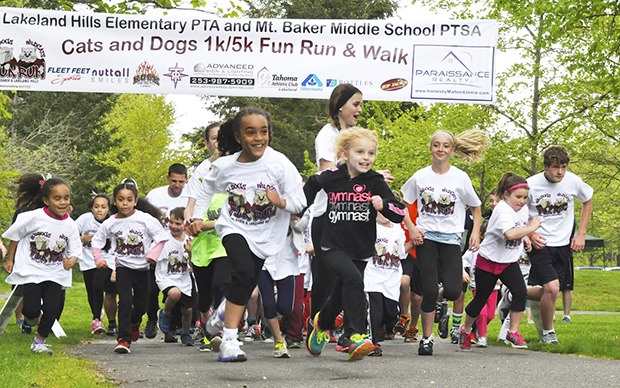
215,344
238,358
281,355
99,331
122,350
515,346
361,351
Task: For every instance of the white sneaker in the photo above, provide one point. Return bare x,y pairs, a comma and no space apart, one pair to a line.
549,338
215,323
230,351
41,348
482,342
280,350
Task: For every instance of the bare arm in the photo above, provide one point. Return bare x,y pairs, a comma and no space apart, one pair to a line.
579,241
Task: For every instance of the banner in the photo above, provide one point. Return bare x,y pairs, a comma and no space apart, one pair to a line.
449,61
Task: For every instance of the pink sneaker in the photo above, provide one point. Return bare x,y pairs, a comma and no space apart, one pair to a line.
515,340
97,326
464,339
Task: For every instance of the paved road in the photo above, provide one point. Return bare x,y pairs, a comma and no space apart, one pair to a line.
156,364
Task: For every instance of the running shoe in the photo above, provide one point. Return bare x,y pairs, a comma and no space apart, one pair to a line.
549,338
280,350
164,321
515,340
454,335
187,340
441,309
293,344
169,338
343,344
426,346
376,351
566,319
464,339
253,333
216,342
401,325
122,347
41,348
411,335
135,332
97,326
150,331
317,339
112,330
26,328
482,342
215,323
360,347
230,351
442,327
338,322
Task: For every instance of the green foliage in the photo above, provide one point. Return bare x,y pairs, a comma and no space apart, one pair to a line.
309,166
138,125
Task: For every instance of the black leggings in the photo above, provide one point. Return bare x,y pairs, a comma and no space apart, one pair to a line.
210,281
46,297
431,257
245,269
485,282
133,293
94,279
347,293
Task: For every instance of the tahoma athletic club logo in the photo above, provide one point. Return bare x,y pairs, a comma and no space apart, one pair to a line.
146,75
29,66
175,74
283,82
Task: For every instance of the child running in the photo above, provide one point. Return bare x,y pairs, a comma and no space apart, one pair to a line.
499,255
97,281
443,192
355,194
173,279
264,189
136,236
45,244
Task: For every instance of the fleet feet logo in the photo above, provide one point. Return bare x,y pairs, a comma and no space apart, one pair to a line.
146,75
27,66
175,74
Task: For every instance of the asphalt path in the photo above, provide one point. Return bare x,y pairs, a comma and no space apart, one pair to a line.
154,363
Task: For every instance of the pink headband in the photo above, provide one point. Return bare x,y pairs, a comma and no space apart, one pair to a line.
518,186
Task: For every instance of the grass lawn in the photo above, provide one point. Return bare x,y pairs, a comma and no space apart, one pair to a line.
595,291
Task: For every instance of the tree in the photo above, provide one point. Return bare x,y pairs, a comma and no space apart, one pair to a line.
138,125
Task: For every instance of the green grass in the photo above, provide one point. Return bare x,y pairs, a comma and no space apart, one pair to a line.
594,291
21,368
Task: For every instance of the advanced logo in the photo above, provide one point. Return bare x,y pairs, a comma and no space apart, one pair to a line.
175,74
28,67
146,75
312,83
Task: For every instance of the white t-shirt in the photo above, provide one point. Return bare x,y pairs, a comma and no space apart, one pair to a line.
88,225
172,269
160,198
285,263
194,185
42,244
495,247
131,238
383,272
324,144
554,204
247,210
442,199
469,261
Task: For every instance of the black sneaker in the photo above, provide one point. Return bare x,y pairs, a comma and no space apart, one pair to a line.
343,344
442,327
187,340
441,309
150,331
170,338
426,347
26,328
112,330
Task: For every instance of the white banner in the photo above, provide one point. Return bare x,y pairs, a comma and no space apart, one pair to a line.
449,61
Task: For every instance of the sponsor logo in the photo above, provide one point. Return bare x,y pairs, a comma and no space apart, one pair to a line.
394,84
312,83
284,82
28,66
224,69
111,76
146,75
175,74
452,72
332,83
